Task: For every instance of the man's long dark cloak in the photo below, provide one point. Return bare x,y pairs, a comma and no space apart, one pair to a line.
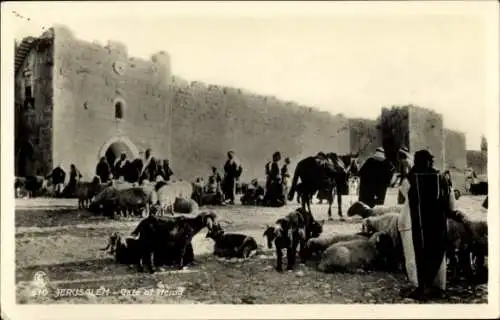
429,207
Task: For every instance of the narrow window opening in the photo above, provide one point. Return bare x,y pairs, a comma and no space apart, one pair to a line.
119,110
28,92
29,101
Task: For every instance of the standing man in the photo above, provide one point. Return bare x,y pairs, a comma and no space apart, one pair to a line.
273,179
232,172
285,176
74,177
374,179
167,171
405,165
103,171
120,165
149,169
423,225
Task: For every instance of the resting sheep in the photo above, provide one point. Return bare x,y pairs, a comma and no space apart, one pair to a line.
348,256
316,246
364,211
182,205
387,223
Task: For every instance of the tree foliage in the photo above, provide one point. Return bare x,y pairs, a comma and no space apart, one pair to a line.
394,129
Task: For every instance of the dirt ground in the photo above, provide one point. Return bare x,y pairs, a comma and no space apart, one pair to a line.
54,237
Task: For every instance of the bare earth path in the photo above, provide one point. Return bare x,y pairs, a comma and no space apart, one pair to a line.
54,237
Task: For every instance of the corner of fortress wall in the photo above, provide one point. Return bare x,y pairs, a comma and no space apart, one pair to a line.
427,132
34,125
89,80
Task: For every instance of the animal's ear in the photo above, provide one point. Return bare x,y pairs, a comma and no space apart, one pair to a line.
321,222
269,230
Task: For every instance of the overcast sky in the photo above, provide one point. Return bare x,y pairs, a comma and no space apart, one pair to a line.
352,64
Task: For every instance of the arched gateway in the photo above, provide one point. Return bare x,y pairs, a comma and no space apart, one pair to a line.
115,146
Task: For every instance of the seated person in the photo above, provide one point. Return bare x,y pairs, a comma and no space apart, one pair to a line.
254,195
214,182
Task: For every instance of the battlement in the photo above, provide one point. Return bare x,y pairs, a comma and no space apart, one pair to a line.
116,48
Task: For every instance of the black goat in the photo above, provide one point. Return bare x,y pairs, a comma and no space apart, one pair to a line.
126,250
169,239
289,232
231,245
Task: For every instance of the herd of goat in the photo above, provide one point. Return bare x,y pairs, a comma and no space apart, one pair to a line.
166,240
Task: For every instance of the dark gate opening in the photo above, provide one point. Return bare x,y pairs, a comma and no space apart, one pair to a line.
114,151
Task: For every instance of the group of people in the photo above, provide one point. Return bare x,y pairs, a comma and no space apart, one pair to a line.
142,168
224,186
136,170
277,180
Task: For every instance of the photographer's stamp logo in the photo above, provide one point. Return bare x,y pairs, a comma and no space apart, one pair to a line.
39,284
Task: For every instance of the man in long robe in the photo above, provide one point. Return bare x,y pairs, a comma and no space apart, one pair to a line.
149,168
423,225
232,172
374,179
273,183
74,177
286,176
120,165
103,170
405,165
167,170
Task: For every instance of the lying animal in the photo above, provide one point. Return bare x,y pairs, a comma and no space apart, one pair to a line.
364,211
316,246
356,254
126,250
480,188
231,245
169,239
289,232
387,223
182,205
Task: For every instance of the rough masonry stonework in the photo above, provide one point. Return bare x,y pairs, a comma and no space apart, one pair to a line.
92,100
